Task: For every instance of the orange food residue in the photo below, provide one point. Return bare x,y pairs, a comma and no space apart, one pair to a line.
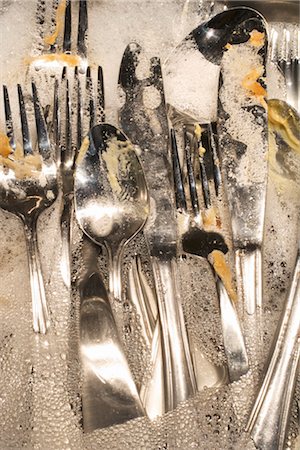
253,87
28,166
55,58
223,271
5,148
60,14
257,38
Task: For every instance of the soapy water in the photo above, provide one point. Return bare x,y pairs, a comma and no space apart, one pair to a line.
40,383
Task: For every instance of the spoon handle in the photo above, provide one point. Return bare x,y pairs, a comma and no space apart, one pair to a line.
180,382
115,273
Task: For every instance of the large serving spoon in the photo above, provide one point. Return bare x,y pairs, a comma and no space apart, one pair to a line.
111,195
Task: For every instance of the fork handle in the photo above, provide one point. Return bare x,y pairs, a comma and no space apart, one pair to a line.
65,226
40,311
270,414
180,382
249,275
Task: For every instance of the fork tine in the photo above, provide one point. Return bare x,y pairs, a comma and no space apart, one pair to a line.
213,142
191,178
27,147
68,28
41,128
8,119
90,95
177,174
77,88
100,94
82,29
67,154
55,120
201,153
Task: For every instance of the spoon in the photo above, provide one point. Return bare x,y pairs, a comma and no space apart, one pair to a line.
111,205
111,195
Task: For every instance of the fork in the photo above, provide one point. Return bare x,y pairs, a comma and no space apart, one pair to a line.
285,52
28,194
87,112
202,145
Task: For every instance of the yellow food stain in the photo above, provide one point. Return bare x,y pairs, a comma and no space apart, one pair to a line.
5,148
28,166
83,149
54,59
283,123
197,131
60,15
211,219
257,38
223,271
116,160
253,87
228,46
201,151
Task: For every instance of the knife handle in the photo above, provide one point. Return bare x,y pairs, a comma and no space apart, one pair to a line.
249,274
180,382
270,414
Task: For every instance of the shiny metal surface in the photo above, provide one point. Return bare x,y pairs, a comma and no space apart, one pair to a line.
197,240
110,207
270,414
111,204
27,197
147,127
210,39
143,297
109,393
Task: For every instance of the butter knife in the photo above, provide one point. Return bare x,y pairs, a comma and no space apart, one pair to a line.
144,120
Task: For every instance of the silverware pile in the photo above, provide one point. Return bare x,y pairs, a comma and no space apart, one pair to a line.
182,180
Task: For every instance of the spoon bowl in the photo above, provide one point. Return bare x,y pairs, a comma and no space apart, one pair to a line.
111,195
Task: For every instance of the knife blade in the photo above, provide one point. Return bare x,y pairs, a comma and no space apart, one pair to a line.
143,118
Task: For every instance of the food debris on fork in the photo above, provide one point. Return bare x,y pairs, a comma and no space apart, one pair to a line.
57,55
207,241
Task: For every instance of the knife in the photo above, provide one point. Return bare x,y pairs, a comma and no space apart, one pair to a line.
109,394
144,120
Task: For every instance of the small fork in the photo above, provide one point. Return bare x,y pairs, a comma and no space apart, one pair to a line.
200,148
91,110
28,192
285,52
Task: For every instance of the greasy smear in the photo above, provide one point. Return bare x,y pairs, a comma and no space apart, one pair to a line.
60,14
223,271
